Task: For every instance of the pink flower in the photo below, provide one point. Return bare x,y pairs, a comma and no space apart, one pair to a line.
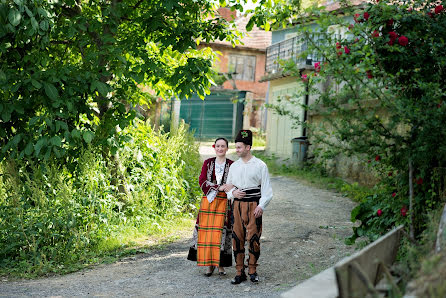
404,211
338,45
356,16
438,9
403,40
346,50
390,23
317,66
379,212
304,77
393,194
390,42
430,14
366,15
375,34
377,158
369,74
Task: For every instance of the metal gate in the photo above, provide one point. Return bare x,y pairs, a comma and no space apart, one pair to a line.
220,114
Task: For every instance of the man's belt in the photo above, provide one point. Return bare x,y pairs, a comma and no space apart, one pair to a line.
253,194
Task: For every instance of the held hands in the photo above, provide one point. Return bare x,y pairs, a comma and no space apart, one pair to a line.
226,187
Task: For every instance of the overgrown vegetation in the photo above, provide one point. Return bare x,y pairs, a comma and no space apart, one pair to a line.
56,219
316,175
382,102
421,264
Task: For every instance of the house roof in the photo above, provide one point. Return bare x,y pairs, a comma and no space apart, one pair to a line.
254,39
331,5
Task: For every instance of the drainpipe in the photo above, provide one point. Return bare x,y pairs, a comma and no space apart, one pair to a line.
306,101
265,115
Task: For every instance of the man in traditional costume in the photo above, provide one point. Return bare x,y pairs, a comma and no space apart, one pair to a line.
251,194
211,241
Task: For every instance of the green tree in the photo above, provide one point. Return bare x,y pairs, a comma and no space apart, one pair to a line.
68,68
384,103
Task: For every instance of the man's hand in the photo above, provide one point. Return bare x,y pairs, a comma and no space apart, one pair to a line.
238,194
258,212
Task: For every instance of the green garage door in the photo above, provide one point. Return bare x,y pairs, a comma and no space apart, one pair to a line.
215,116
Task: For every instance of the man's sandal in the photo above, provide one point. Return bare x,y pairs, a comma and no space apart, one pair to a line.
238,279
254,277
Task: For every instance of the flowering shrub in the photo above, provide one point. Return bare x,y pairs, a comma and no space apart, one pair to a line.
391,63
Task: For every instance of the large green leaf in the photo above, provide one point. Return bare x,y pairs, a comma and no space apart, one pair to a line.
101,87
36,84
56,141
75,133
39,145
29,149
6,115
88,136
51,91
14,17
44,25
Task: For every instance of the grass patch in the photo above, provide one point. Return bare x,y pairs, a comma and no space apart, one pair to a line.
147,235
127,242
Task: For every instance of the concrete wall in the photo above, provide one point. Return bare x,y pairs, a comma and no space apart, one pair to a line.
350,168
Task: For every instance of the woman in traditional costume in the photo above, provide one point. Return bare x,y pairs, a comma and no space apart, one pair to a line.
212,237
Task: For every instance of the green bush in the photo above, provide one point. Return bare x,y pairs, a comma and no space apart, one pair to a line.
53,219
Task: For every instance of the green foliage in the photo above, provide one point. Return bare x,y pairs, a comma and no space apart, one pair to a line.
55,219
316,175
380,89
70,70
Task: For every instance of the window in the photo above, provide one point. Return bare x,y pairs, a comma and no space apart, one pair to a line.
242,67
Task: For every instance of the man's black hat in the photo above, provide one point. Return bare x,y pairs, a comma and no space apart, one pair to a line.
244,136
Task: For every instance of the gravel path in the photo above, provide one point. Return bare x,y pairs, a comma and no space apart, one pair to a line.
303,232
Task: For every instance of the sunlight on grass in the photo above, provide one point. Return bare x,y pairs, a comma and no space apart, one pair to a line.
128,240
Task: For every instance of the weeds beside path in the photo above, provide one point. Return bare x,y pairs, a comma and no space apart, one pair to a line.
303,232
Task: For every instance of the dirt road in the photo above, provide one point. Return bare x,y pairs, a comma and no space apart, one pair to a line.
303,232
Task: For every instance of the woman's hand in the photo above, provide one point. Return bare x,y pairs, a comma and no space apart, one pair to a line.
226,187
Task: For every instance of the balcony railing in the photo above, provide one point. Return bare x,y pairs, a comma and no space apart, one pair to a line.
291,49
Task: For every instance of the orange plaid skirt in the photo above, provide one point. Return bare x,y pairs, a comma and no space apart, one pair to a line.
210,228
